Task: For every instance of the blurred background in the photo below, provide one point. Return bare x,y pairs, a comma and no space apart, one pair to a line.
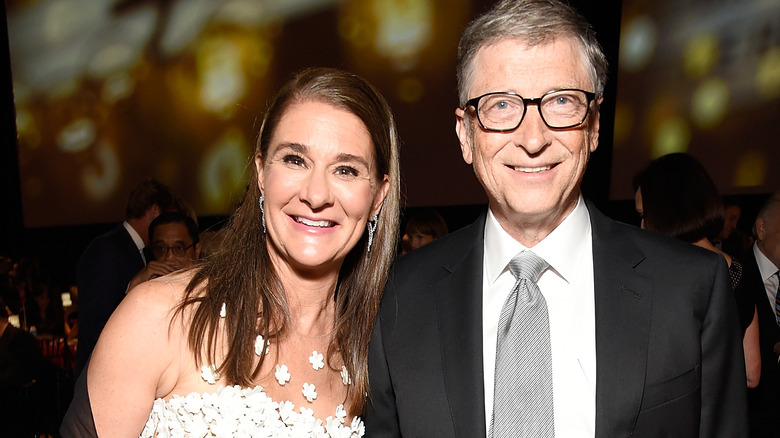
103,94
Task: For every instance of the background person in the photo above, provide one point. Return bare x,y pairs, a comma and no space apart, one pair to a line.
174,244
425,226
270,334
601,297
675,196
762,278
112,259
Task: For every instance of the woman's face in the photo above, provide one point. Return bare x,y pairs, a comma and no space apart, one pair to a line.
319,187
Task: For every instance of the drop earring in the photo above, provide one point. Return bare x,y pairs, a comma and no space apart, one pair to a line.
262,210
371,225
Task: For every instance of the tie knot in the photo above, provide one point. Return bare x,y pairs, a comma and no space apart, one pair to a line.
527,265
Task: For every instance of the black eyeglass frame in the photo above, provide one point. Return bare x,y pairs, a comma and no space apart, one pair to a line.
590,97
174,249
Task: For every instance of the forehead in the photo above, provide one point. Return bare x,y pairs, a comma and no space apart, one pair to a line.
512,65
323,128
171,232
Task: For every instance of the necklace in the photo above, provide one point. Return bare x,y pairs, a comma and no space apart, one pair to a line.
282,374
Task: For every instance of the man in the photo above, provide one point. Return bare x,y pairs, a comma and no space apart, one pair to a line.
760,275
174,243
112,259
638,334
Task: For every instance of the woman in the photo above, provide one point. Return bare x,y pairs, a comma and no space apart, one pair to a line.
270,334
675,196
425,226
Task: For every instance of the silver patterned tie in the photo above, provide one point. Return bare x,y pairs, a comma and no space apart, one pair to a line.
523,395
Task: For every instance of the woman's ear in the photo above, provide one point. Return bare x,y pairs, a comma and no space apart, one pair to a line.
259,168
381,194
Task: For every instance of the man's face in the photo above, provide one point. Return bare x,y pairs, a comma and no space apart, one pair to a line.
768,230
732,214
532,175
171,243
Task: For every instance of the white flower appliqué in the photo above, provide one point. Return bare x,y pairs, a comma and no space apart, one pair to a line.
282,374
209,374
341,413
243,412
260,342
316,360
309,392
345,375
223,311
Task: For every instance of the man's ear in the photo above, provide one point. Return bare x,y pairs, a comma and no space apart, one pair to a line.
760,228
152,212
464,135
594,133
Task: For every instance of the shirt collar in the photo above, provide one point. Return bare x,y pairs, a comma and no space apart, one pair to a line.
562,248
765,266
139,243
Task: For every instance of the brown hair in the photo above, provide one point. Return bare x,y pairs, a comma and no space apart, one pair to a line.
241,275
146,195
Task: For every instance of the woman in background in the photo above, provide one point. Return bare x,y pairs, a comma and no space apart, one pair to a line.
675,196
269,336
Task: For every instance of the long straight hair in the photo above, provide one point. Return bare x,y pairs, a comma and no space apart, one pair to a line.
241,275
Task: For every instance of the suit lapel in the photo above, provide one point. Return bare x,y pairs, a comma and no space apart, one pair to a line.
459,313
623,298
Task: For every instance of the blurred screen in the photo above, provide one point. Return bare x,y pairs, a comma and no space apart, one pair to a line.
701,77
109,93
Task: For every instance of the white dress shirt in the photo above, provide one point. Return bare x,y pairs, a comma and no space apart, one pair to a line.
139,243
767,270
567,287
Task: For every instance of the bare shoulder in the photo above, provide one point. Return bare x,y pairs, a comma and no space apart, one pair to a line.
138,356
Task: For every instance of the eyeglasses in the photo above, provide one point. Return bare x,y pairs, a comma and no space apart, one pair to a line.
160,251
504,111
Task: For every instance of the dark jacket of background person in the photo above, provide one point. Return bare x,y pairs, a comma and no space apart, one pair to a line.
104,271
110,262
764,400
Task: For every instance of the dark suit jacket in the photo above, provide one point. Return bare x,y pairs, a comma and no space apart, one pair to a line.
764,400
668,347
104,271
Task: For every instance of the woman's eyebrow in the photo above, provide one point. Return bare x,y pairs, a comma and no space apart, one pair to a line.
350,158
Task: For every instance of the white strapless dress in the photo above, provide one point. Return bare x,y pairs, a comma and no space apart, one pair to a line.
233,411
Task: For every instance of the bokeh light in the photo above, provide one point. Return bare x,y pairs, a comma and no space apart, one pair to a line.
700,54
768,74
709,104
751,169
672,135
637,43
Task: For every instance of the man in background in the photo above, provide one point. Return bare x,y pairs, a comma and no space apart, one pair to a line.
174,244
760,275
112,259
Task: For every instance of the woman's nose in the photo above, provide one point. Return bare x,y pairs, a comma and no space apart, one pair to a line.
316,190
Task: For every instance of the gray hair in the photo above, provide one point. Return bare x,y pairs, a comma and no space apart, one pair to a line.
534,22
769,209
